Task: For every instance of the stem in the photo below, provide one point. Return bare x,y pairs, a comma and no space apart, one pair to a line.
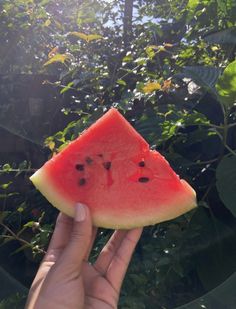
31,170
15,236
225,145
127,23
210,125
208,190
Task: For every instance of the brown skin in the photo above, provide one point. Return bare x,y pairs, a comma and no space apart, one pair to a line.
66,280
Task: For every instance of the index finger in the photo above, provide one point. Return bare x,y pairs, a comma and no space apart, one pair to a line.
60,237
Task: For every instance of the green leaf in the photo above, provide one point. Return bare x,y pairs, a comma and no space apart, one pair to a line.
150,52
226,85
204,76
67,87
121,82
5,185
6,168
222,296
128,57
226,182
29,224
227,36
192,4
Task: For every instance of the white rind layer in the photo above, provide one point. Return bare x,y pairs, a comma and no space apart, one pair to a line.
45,186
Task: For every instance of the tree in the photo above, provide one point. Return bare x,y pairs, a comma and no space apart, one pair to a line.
170,68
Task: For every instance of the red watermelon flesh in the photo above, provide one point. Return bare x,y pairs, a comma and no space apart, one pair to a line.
111,169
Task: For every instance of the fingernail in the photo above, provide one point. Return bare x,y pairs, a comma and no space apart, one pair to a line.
80,212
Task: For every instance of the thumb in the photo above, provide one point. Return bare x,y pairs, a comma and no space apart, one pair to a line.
80,239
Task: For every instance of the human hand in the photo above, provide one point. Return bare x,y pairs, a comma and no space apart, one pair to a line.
66,280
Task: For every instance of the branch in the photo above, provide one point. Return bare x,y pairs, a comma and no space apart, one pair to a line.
15,236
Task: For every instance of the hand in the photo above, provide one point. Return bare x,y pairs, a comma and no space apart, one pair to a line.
66,280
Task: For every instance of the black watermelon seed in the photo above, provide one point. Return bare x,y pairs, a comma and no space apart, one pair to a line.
100,155
143,179
88,160
82,181
79,167
141,164
107,165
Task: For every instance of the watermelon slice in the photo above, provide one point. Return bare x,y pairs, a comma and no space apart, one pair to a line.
112,170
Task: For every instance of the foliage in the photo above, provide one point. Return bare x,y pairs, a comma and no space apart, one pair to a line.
173,78
14,302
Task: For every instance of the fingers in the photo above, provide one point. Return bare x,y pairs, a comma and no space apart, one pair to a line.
60,237
80,239
105,257
120,261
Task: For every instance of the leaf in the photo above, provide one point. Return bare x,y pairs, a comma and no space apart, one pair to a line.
192,4
121,82
86,37
47,23
166,85
29,224
53,52
5,185
227,36
51,145
67,87
204,76
59,25
151,50
57,58
226,85
6,168
226,182
128,57
168,45
223,296
151,86
92,37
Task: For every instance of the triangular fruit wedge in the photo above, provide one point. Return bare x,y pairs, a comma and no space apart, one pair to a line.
112,170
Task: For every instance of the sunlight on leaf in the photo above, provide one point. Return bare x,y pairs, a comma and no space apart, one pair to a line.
166,85
53,52
151,86
226,85
50,145
59,25
5,185
47,23
168,45
66,88
192,4
57,58
121,82
86,37
151,51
